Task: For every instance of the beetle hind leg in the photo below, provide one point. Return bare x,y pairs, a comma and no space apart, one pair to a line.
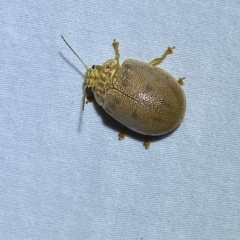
157,61
122,134
146,142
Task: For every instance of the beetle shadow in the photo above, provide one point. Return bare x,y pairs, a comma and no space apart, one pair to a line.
70,64
110,122
161,137
141,138
107,120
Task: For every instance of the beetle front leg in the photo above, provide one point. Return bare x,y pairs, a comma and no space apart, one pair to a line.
115,45
157,61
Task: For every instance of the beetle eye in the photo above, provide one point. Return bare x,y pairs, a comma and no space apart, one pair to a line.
93,66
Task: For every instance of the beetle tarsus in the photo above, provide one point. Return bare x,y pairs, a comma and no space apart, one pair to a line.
146,142
122,134
181,80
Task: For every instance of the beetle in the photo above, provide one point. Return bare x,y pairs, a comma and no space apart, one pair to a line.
141,96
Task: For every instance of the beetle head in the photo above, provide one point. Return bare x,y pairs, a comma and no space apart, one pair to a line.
99,77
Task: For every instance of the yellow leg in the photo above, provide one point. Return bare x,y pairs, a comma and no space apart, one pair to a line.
122,134
115,45
157,61
146,142
181,80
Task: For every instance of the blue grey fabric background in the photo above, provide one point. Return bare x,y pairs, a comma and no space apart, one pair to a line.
63,172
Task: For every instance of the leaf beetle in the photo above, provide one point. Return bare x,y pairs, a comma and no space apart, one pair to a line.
141,96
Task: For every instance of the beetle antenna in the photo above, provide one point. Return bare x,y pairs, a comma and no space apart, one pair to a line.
74,52
84,96
83,101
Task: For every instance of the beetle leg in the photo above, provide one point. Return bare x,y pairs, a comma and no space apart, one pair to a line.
181,80
146,142
157,61
122,134
115,45
89,99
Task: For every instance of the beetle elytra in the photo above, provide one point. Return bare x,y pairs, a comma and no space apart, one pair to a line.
141,96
